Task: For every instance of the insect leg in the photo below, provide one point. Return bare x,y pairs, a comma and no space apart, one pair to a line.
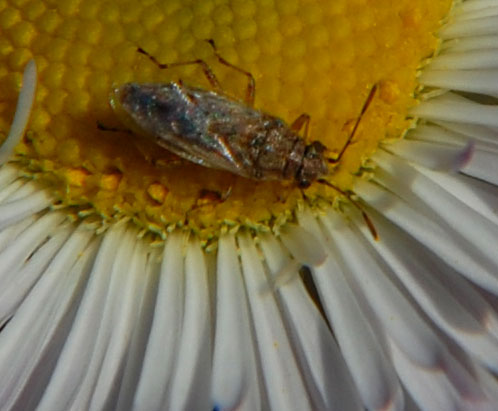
103,127
357,123
205,68
365,216
303,119
251,85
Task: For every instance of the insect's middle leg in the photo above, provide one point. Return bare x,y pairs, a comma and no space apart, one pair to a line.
205,68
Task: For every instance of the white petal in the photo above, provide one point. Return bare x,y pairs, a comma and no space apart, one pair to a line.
404,327
83,350
125,293
468,60
285,388
472,81
435,235
477,230
23,110
163,341
15,289
450,107
19,251
31,340
302,245
190,388
440,157
325,372
235,378
471,27
371,370
441,292
470,8
471,43
140,333
14,211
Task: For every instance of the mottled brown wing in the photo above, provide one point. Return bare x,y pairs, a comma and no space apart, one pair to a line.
198,125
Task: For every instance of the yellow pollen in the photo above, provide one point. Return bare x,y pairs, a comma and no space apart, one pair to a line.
110,182
307,56
76,177
157,192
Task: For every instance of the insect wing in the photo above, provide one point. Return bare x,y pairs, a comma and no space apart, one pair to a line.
198,125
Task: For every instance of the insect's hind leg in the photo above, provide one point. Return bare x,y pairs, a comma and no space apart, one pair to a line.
298,123
251,85
205,68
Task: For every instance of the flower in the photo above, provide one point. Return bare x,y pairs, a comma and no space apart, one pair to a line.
312,312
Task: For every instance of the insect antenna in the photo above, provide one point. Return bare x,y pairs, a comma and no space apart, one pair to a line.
365,216
367,102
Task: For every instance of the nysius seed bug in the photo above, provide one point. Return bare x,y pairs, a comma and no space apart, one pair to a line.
210,129
215,131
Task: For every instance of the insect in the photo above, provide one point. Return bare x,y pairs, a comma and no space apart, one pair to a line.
210,129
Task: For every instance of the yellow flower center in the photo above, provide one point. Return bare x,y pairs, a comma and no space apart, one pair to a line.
307,56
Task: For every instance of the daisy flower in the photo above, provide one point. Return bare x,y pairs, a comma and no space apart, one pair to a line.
131,279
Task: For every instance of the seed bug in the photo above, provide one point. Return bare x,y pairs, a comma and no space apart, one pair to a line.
208,128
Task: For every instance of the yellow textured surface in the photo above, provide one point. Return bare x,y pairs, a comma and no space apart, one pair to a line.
320,57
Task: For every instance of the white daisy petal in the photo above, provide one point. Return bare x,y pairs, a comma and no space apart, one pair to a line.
326,374
235,379
450,107
190,388
441,292
457,215
16,287
163,340
371,370
471,43
451,62
32,339
304,246
125,292
8,174
284,385
480,134
403,326
470,27
16,210
10,233
483,166
140,333
83,350
441,157
23,110
473,81
471,8
19,251
440,238
16,190
477,194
